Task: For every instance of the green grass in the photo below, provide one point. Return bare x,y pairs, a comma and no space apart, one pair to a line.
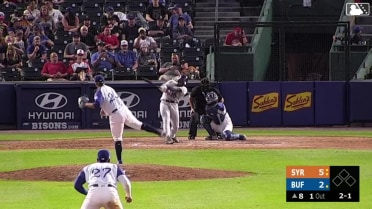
265,189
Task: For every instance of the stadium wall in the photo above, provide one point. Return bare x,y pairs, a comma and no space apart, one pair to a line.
50,106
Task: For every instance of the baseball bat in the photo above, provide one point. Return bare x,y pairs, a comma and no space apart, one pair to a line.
150,82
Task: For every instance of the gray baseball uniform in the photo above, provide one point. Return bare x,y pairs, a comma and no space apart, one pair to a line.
169,108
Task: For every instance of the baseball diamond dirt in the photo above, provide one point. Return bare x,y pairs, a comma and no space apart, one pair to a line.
146,172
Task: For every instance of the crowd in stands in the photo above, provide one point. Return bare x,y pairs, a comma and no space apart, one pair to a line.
74,40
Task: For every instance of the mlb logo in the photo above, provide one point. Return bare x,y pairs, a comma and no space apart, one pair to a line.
357,9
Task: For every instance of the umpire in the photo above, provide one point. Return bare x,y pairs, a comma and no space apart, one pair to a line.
198,104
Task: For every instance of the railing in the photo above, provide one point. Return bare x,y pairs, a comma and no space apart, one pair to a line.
364,68
340,31
216,11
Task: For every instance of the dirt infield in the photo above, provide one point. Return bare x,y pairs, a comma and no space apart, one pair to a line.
166,173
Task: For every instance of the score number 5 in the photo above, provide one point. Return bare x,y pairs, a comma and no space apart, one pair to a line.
321,172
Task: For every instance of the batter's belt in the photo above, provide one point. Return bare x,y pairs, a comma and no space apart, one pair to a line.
97,185
169,101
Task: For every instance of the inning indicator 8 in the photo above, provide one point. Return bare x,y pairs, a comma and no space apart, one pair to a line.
322,183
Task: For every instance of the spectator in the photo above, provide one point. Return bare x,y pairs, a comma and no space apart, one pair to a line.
113,24
236,38
54,70
160,29
112,42
12,59
70,21
110,13
32,10
143,38
170,70
356,37
71,48
91,29
37,30
80,69
173,20
130,31
18,20
182,33
3,47
155,11
36,51
56,14
102,59
190,71
146,57
3,25
18,41
87,38
47,22
125,57
9,40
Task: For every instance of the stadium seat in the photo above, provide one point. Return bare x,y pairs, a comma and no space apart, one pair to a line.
121,73
10,74
193,52
107,73
147,72
135,5
32,74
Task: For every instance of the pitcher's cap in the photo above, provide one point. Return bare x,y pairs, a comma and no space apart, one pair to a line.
99,79
103,155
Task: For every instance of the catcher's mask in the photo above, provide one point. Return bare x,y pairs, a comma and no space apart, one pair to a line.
182,81
211,98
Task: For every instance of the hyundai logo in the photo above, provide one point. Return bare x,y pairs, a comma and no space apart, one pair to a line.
130,99
51,101
184,102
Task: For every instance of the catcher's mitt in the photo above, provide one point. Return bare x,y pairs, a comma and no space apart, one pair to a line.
82,101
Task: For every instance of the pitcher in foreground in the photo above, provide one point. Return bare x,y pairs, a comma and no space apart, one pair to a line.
102,178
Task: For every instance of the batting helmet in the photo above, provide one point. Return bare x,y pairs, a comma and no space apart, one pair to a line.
182,81
211,98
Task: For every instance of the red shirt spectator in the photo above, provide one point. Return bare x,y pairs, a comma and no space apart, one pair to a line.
236,38
112,42
54,69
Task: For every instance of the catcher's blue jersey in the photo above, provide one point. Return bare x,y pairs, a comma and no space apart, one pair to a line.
216,112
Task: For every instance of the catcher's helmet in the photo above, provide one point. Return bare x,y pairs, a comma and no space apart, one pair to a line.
103,155
204,82
211,97
182,81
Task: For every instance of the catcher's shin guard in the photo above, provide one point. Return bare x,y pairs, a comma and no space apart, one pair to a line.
206,122
229,136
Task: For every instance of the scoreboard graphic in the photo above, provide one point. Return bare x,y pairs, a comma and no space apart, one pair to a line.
322,183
